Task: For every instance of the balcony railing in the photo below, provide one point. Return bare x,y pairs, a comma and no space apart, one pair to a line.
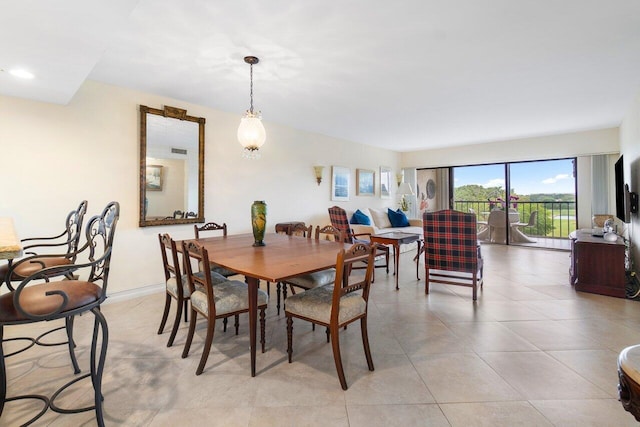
555,219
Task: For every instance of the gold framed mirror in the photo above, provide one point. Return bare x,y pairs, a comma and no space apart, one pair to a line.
171,167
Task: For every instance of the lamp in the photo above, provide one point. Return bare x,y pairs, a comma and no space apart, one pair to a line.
318,172
251,133
399,178
405,190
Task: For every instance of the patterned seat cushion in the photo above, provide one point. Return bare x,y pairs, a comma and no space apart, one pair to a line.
315,304
216,269
172,285
229,296
313,280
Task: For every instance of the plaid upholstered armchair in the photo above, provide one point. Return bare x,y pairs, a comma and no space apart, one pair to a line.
452,253
339,220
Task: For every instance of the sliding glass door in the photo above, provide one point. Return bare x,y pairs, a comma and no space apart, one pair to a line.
540,205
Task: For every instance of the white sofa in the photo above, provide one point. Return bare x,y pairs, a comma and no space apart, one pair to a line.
380,224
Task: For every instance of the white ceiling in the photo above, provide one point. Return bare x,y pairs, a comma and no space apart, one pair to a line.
406,75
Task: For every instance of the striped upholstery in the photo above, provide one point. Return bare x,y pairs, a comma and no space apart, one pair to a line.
451,244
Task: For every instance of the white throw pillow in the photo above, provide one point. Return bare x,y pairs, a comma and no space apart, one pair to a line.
380,218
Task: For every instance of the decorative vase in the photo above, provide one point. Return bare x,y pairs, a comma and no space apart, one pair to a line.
259,221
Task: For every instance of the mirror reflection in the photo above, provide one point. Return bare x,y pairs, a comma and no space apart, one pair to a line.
171,167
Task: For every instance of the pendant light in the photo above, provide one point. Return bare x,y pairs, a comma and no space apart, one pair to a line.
251,133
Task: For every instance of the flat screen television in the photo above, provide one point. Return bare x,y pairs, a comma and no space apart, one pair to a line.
626,201
622,193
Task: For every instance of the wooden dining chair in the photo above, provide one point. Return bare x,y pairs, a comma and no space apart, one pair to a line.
338,304
176,285
297,230
217,229
339,220
317,278
215,300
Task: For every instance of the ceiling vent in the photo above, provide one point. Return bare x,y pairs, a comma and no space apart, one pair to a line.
179,151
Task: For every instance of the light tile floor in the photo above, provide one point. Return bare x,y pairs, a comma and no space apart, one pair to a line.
530,352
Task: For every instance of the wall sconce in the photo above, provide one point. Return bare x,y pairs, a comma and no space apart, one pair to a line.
399,178
318,172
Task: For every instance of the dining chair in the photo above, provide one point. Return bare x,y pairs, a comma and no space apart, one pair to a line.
532,222
218,229
34,301
215,301
452,252
317,278
176,284
338,304
42,253
339,220
298,229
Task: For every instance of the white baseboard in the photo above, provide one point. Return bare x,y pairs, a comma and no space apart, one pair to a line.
134,293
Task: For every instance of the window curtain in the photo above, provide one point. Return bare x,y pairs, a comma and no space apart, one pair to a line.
599,184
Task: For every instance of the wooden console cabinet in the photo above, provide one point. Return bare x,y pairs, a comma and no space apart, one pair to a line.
597,266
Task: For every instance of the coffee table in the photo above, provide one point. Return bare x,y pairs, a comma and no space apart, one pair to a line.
397,238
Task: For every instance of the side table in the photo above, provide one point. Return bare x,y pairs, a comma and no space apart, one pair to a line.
396,239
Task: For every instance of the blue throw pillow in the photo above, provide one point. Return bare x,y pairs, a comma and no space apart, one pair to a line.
360,218
398,218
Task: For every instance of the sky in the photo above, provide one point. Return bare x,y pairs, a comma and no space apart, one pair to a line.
550,176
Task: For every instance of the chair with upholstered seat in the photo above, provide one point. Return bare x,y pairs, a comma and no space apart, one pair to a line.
452,252
176,285
215,301
317,278
338,304
35,301
41,253
214,227
339,220
298,229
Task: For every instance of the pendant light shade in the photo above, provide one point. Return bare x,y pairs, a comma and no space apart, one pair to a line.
251,133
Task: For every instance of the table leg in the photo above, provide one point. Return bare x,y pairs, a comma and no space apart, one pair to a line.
396,261
253,284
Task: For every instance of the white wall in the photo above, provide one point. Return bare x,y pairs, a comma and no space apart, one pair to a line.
53,156
630,149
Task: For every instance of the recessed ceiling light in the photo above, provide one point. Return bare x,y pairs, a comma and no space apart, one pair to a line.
21,73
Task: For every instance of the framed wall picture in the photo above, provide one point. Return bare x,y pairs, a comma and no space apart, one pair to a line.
385,182
154,178
340,183
366,182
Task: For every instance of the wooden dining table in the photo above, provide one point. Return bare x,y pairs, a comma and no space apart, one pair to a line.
281,258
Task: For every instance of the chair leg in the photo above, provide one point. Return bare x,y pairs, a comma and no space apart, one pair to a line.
426,278
68,321
289,337
165,315
263,324
237,323
224,324
278,286
365,342
97,370
328,332
475,287
192,329
335,345
185,308
176,322
211,326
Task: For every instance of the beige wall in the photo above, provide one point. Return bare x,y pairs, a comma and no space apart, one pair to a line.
53,156
630,148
